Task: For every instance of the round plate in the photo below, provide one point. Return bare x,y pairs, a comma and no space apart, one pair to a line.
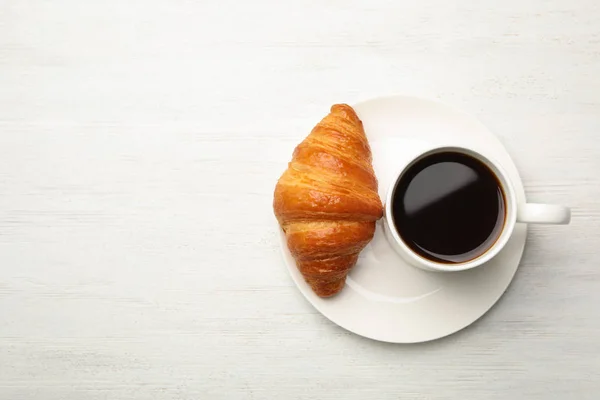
386,299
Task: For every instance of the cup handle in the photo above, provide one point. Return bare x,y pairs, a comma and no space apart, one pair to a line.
544,214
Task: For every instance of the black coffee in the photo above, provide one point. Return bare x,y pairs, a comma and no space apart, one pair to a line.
448,207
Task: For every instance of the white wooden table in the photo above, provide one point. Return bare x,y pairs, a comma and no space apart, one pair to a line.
140,142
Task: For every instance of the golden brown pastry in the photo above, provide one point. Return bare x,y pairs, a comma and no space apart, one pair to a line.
326,201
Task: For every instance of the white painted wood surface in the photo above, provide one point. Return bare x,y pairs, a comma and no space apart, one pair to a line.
140,142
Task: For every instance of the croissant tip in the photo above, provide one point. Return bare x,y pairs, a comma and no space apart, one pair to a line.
327,289
346,112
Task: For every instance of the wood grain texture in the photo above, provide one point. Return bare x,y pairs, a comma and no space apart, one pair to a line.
134,135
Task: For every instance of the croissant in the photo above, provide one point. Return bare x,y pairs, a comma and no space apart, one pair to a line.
326,201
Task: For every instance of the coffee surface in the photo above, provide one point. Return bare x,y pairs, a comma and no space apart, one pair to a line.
449,207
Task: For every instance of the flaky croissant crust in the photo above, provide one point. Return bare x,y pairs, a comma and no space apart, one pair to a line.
327,202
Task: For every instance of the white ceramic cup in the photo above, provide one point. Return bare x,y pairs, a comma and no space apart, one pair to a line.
527,213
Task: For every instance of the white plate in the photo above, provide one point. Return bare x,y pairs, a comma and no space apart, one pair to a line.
386,299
